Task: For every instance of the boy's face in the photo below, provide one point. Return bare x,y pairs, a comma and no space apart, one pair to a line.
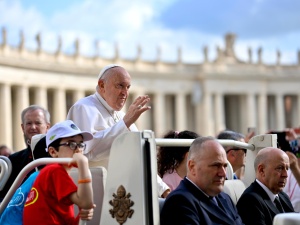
64,151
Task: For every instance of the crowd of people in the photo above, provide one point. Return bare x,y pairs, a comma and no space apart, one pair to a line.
191,179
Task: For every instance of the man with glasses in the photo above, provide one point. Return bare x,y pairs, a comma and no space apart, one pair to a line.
236,156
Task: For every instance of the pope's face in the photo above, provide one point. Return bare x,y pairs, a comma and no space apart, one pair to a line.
114,89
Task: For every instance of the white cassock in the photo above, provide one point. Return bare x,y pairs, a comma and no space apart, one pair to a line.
93,114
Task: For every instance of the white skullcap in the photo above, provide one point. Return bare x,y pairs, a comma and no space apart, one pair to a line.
105,68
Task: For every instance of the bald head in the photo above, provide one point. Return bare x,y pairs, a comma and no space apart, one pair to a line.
266,155
271,166
198,147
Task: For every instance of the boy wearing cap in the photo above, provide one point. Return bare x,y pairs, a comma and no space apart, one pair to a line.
53,193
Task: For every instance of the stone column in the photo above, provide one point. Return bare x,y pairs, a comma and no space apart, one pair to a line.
180,112
21,102
206,114
280,112
40,97
59,106
220,113
262,114
78,94
251,110
159,114
6,118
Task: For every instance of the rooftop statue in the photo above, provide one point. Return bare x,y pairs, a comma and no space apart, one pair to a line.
38,42
4,36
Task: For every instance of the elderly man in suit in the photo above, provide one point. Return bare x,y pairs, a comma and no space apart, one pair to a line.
199,198
264,198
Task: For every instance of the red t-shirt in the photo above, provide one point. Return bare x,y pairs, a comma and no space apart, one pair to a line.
48,201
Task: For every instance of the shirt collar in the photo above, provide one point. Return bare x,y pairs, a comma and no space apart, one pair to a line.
104,103
267,190
197,187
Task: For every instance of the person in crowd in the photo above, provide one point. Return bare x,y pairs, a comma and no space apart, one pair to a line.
172,160
35,120
235,155
5,151
54,193
199,198
292,187
265,196
100,114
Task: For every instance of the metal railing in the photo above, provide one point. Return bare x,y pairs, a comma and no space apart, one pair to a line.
168,142
24,172
5,170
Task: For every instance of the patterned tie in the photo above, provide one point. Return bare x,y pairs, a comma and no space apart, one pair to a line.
278,204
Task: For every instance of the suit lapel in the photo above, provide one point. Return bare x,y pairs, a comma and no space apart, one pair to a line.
266,198
285,202
271,205
217,211
211,209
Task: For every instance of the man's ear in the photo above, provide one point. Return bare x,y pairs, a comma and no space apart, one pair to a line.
261,169
191,166
100,84
52,152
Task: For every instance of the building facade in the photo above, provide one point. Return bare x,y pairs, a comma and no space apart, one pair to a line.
206,97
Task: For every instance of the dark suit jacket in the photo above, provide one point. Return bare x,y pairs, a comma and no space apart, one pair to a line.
188,205
255,206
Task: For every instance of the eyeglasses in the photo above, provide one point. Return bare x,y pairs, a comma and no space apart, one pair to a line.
73,145
236,149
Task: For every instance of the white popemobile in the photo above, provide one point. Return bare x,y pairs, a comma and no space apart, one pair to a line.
128,193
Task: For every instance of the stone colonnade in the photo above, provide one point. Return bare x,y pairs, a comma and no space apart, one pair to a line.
15,98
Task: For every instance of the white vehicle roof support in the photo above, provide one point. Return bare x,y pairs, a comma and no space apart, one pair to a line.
255,143
165,142
5,170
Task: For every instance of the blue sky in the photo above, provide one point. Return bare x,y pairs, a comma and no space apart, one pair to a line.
152,24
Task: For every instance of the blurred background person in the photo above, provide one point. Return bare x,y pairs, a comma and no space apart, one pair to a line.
172,161
292,186
235,155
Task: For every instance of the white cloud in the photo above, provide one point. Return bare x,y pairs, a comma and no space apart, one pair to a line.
114,22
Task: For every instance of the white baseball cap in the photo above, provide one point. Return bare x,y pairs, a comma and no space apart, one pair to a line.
65,129
107,68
